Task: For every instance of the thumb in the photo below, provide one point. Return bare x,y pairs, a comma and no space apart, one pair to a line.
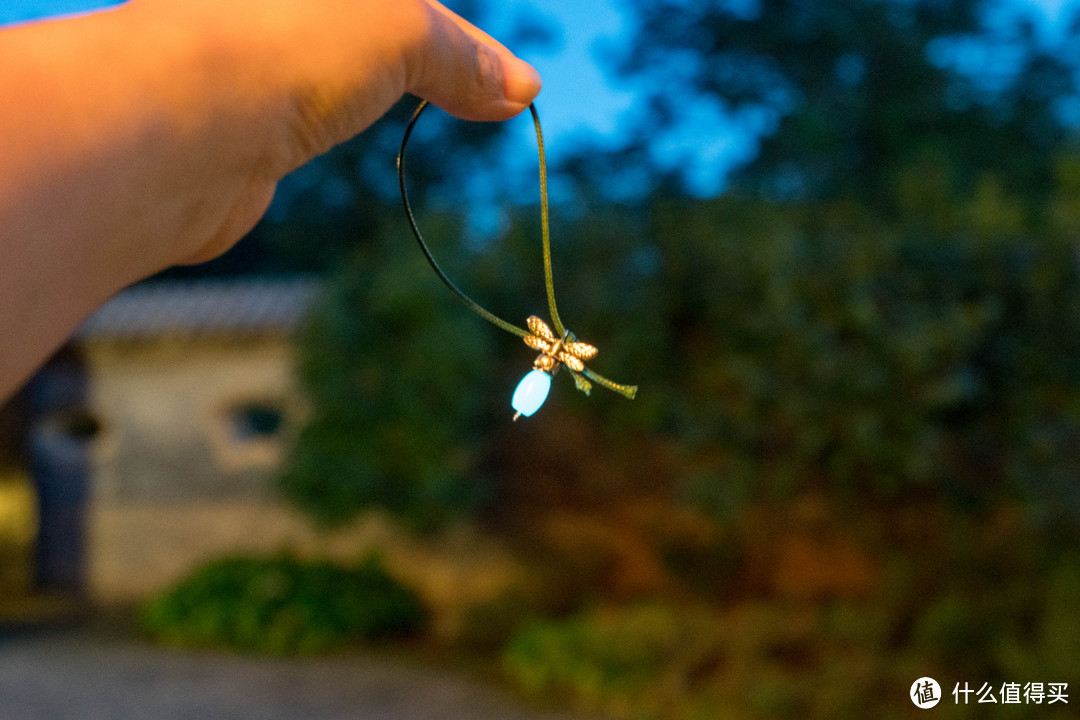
467,73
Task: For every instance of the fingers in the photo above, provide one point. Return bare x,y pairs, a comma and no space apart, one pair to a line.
466,72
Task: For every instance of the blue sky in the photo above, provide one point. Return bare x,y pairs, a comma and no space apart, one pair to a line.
18,10
579,97
578,93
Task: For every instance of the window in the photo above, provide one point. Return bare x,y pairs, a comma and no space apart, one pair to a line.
251,434
256,421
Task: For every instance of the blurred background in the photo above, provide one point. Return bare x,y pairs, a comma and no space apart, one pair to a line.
836,245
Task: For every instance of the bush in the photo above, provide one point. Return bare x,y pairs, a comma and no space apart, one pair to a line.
283,606
765,658
629,663
825,347
395,370
778,346
487,626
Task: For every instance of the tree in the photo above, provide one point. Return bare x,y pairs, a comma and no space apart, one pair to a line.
391,367
845,95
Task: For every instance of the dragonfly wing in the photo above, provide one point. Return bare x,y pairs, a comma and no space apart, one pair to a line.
581,350
539,328
537,343
572,362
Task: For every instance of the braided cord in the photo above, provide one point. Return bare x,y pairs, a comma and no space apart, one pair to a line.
469,302
545,227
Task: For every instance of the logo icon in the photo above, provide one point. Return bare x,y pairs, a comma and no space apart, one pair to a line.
925,692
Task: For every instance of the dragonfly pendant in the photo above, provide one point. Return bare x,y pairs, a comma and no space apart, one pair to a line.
533,389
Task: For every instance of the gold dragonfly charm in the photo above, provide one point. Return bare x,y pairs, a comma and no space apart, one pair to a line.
555,350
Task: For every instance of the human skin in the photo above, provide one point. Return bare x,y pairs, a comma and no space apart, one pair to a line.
155,133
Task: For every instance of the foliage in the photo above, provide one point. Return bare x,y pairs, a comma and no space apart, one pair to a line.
385,357
802,346
907,327
841,94
885,315
767,658
782,348
283,606
626,663
488,624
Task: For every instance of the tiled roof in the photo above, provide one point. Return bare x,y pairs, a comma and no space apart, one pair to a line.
219,308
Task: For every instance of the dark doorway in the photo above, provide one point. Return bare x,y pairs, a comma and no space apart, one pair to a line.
57,447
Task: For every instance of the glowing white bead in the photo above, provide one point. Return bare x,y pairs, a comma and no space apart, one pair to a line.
531,392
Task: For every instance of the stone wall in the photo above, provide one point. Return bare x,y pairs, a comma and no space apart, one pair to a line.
189,435
183,449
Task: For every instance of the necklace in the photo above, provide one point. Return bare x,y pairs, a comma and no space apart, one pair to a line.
557,348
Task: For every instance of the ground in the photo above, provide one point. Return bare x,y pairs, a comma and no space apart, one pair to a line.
98,671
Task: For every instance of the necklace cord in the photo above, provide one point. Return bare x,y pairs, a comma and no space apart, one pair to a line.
627,391
469,302
545,226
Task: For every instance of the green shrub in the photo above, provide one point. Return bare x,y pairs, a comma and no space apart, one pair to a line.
486,626
283,606
638,662
778,659
395,370
779,346
823,346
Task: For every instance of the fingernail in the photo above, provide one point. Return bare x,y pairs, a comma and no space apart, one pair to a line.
521,82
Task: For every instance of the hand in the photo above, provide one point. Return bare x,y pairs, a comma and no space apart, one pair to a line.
155,133
337,66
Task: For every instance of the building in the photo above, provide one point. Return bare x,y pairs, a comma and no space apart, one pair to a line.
151,440
150,443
